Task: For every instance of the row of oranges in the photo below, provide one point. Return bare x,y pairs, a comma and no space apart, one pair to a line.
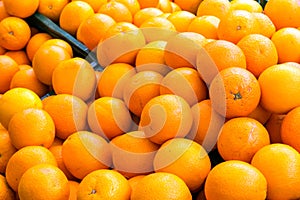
180,78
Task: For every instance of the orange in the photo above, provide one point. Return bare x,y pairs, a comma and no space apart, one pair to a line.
84,152
125,33
205,25
59,43
133,154
118,11
190,6
141,87
217,8
73,14
14,33
144,14
250,6
209,62
165,6
275,10
80,80
109,117
52,9
265,25
184,82
165,117
8,68
43,67
260,114
233,180
282,158
104,184
260,53
113,79
73,190
15,100
95,4
237,24
37,182
182,49
151,57
273,125
280,81
72,119
35,42
161,185
290,130
133,181
56,150
132,5
21,9
206,125
175,7
24,159
91,30
184,158
6,191
156,28
21,67
234,92
181,20
148,3
3,12
2,50
241,133
27,79
287,41
6,149
31,127
19,56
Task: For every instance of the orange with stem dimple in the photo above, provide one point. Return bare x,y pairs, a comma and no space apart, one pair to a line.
240,138
72,119
184,82
234,92
84,152
184,158
234,180
14,33
73,14
109,117
118,11
91,31
133,154
52,9
165,117
31,127
8,68
282,158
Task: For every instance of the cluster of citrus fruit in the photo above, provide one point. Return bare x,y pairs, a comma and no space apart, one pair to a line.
180,79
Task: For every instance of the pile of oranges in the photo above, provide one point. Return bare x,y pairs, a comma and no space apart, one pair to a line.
181,82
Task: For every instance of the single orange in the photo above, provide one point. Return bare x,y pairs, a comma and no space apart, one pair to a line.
6,149
52,9
280,81
233,180
84,152
165,117
133,181
217,8
184,158
282,158
73,190
73,14
141,87
37,182
74,115
273,125
265,25
161,186
205,25
104,184
116,10
21,9
91,30
109,117
24,159
19,56
8,68
14,33
260,53
133,154
235,92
